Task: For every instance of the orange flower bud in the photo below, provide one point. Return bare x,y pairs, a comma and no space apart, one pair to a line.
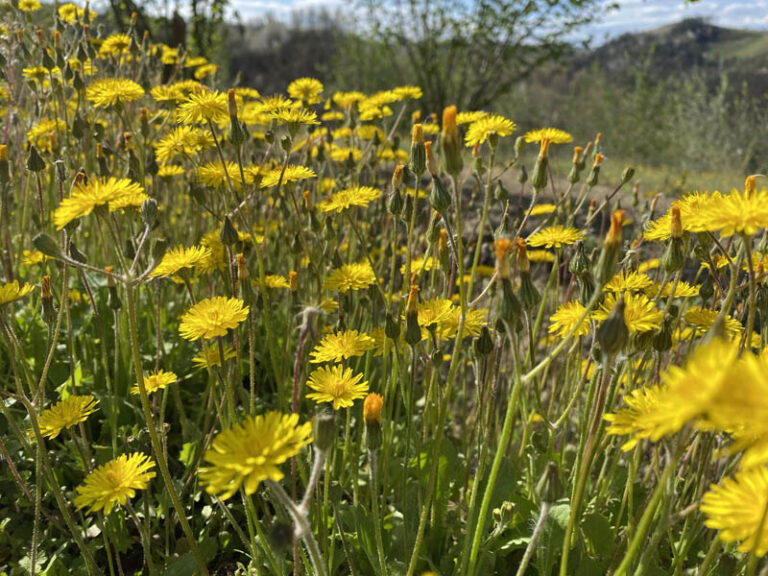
293,280
231,103
676,225
598,159
242,269
397,176
3,152
750,185
417,133
372,407
577,150
521,255
503,247
413,300
614,232
45,287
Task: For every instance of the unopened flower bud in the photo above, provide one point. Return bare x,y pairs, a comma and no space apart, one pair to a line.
324,430
613,333
500,192
606,266
372,407
529,296
503,247
450,144
627,174
397,177
418,153
49,309
432,166
750,185
5,167
149,212
519,146
35,162
540,168
113,301
395,202
483,344
392,326
412,329
47,245
439,197
228,234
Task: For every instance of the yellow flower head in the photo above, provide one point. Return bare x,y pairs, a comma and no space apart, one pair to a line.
295,117
351,277
115,482
689,205
703,319
306,89
110,92
178,259
372,408
628,281
566,318
65,414
71,13
408,92
734,213
359,196
480,130
11,291
547,136
555,236
252,452
29,5
183,141
209,356
342,345
212,317
336,385
117,194
115,45
638,418
640,313
155,381
736,508
204,106
292,173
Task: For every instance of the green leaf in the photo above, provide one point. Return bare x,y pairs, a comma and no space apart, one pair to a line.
184,566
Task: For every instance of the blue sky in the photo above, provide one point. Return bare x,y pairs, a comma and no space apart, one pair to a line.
632,16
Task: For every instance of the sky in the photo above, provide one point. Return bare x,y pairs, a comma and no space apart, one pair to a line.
632,15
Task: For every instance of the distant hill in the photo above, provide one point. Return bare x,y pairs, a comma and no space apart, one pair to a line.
683,47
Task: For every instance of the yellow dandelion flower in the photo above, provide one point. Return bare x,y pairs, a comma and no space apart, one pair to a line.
29,5
341,346
154,381
703,318
306,89
212,174
650,264
628,281
11,291
170,170
734,213
336,385
178,259
212,317
552,135
540,256
205,70
275,281
32,258
640,313
682,290
247,92
350,277
689,205
554,236
332,116
295,117
736,508
182,141
408,92
115,482
347,99
473,323
117,194
565,318
203,106
542,209
39,133
638,418
65,414
358,196
210,357
469,117
111,92
292,173
252,452
480,130
115,45
70,13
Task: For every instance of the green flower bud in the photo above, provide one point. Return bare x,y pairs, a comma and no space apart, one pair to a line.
483,344
35,162
325,430
522,176
673,258
627,174
439,197
228,234
47,245
540,177
149,212
612,335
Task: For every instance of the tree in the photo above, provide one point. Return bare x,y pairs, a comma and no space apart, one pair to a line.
468,52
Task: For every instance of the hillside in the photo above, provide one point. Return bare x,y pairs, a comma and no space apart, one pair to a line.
684,47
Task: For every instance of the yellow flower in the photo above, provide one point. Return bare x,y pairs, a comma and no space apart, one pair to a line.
638,418
209,356
347,99
182,140
212,174
212,317
65,414
469,117
307,89
372,408
39,133
336,385
480,130
734,213
115,482
155,381
541,209
342,345
552,135
685,394
29,5
554,236
640,314
632,281
540,256
11,292
114,193
252,451
109,92
169,171
276,281
359,196
736,508
660,229
31,258
70,13
204,106
408,92
703,318
682,290
351,277
115,45
206,70
292,173
295,117
178,259
566,317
